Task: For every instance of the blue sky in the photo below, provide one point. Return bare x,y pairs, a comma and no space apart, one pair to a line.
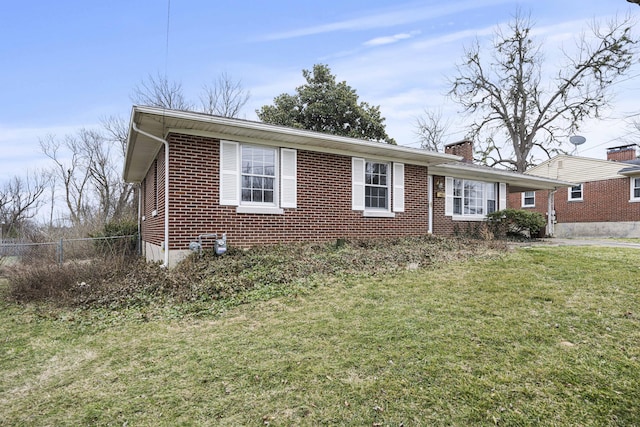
66,64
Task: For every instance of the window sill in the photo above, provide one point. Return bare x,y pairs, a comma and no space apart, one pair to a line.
379,214
264,210
468,218
528,206
634,201
575,200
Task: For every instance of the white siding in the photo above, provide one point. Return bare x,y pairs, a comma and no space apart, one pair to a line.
578,169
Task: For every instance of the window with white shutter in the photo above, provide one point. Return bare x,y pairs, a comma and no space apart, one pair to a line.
374,185
257,179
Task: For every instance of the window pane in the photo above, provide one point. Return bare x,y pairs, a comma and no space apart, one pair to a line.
576,192
457,206
376,185
258,174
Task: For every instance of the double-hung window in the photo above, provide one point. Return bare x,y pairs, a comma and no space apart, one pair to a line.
528,199
256,178
258,175
377,187
635,189
469,199
575,193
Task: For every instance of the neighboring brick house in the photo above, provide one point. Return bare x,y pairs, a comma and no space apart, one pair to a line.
604,200
264,184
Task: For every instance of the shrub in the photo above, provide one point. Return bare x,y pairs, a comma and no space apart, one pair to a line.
117,238
516,221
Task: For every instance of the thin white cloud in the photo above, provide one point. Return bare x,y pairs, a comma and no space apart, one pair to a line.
379,41
387,18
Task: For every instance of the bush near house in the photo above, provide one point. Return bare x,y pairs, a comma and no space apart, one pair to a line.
515,222
120,238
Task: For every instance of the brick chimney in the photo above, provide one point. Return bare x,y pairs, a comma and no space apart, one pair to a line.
622,153
461,148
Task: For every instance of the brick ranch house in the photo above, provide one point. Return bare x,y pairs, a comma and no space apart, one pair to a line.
603,201
265,184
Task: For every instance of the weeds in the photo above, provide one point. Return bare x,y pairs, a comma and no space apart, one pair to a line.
280,269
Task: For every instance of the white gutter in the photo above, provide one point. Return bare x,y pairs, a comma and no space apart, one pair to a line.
166,189
430,189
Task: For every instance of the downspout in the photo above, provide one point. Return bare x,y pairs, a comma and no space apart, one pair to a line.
166,190
430,209
140,251
550,211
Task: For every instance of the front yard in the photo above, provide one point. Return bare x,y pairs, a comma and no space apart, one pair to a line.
537,336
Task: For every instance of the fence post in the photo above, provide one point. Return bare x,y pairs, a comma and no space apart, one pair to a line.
61,253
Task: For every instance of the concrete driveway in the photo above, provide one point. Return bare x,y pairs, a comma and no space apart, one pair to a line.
587,242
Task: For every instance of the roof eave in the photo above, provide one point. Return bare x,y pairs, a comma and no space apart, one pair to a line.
159,122
517,182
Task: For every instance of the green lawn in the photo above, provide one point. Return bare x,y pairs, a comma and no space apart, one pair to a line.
539,336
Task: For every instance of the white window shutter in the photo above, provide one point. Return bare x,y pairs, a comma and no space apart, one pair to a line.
229,173
357,184
398,187
502,203
288,178
448,203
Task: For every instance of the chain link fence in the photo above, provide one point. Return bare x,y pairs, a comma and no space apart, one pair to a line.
64,250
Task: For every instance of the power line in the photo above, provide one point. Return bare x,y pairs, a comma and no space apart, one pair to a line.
166,53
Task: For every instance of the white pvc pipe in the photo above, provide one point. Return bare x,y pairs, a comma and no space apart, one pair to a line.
430,192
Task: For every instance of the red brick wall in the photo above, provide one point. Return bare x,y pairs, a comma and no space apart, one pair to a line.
324,202
152,227
622,154
602,201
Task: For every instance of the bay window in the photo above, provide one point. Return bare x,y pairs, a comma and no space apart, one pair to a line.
257,179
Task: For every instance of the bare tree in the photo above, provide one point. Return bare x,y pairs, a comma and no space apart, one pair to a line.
117,132
87,166
519,117
159,91
20,199
225,97
123,194
70,168
432,130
